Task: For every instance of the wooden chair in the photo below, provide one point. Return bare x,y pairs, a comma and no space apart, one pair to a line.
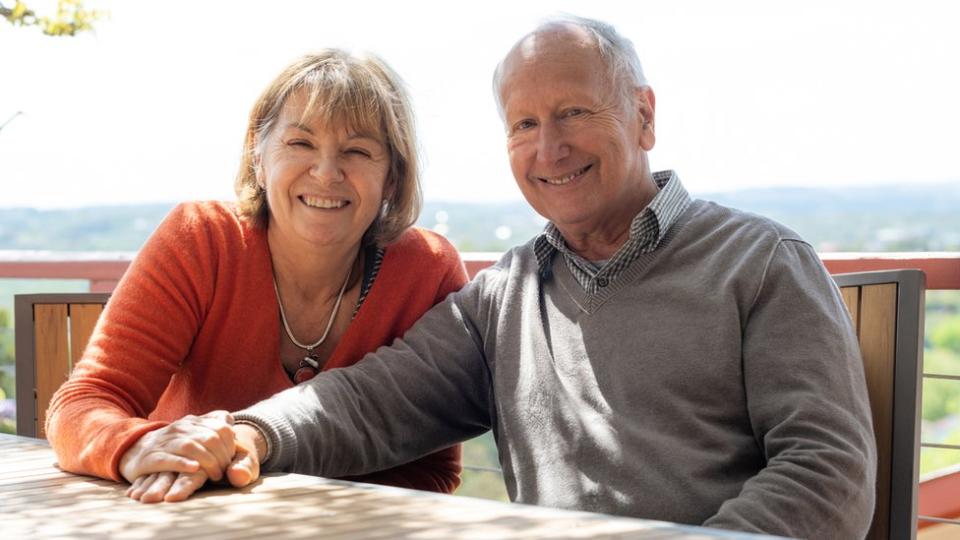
887,311
51,333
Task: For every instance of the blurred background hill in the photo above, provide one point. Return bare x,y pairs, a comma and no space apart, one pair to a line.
884,218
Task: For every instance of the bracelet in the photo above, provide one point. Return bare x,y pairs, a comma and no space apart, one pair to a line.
266,440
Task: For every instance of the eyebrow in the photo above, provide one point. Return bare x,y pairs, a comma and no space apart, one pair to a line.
302,127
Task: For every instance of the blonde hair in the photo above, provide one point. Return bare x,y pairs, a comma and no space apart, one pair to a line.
343,89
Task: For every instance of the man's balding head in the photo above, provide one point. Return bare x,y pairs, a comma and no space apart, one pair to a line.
622,65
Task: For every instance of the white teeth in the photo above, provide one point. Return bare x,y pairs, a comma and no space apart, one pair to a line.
318,202
564,179
559,181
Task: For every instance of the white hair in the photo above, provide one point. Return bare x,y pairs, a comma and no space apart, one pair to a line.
622,62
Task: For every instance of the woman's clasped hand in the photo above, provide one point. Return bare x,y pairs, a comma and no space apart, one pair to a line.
171,463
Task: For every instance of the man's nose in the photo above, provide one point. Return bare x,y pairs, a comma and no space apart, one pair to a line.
551,144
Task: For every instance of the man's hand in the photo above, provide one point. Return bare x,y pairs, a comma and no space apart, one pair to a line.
190,445
245,467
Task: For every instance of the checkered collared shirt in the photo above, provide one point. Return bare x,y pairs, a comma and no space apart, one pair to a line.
646,232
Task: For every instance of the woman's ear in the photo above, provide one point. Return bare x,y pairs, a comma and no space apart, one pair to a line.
258,170
389,191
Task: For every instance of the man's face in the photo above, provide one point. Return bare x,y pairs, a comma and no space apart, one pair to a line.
577,145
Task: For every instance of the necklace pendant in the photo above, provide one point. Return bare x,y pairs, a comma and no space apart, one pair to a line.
304,374
309,360
308,369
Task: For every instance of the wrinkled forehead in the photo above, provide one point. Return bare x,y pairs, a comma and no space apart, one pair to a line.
338,109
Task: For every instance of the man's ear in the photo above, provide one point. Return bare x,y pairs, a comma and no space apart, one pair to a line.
646,103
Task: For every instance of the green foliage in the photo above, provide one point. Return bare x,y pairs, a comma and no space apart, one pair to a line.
941,398
7,384
947,336
6,338
934,459
483,484
71,17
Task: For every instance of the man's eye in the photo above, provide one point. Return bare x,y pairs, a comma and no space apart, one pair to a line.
569,113
524,125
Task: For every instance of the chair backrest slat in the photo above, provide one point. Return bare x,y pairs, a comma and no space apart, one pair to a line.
52,332
877,312
887,311
851,297
52,355
83,317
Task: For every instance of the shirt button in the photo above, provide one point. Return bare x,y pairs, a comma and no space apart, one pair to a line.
602,282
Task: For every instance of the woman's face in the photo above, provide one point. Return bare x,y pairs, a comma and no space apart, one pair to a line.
324,184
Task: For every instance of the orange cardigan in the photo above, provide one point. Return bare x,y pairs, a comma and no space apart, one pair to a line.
193,326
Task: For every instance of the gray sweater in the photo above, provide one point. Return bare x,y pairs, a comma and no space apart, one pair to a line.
717,381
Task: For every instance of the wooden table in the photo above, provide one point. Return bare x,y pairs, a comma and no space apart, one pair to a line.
38,500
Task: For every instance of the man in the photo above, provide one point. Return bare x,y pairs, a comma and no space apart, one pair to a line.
648,355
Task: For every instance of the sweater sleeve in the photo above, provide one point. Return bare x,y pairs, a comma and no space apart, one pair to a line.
439,471
139,342
427,391
808,407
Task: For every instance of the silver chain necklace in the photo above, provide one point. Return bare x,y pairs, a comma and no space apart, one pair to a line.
310,359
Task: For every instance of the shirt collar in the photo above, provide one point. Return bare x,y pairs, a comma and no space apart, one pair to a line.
662,212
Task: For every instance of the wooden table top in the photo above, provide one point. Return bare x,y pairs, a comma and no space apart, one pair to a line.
38,500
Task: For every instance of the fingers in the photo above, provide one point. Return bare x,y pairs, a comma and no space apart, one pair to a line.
220,441
244,469
158,488
145,462
194,442
185,485
145,488
138,486
214,433
166,486
209,461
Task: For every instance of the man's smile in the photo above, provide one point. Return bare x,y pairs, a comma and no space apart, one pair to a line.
565,179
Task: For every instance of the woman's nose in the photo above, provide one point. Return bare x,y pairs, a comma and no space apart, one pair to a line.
326,168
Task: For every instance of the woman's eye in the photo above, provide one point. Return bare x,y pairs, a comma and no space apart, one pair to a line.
359,152
299,143
573,112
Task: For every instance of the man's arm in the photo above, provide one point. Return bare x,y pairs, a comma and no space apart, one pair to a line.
427,391
808,405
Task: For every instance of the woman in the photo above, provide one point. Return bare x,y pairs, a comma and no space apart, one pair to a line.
315,265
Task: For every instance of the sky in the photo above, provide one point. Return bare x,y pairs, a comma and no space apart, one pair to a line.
152,106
